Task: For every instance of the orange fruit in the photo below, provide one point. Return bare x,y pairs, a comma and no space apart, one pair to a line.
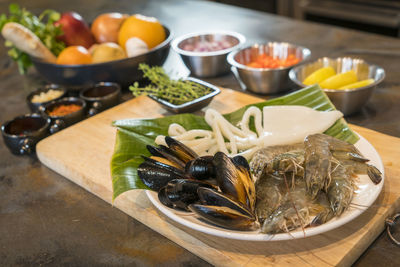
106,26
148,29
74,55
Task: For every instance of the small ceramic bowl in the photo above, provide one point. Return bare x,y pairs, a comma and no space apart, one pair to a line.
193,105
101,96
22,133
60,122
34,106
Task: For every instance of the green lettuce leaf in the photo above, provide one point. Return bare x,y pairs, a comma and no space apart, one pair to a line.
134,134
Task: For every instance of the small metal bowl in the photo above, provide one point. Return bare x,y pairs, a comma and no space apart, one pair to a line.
193,105
348,101
264,80
207,64
34,106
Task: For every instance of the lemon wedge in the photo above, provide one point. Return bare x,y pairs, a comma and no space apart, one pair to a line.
358,84
319,75
339,80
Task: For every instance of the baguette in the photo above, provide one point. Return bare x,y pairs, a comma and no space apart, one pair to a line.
25,40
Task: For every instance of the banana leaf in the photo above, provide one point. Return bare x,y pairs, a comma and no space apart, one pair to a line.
134,134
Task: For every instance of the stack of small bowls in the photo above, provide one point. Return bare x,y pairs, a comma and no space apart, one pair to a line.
23,132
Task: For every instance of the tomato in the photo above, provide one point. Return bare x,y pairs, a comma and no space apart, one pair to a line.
268,62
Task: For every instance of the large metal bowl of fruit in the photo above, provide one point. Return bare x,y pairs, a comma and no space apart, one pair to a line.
123,71
348,82
66,51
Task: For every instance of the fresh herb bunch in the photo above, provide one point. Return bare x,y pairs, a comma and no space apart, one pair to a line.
174,91
42,26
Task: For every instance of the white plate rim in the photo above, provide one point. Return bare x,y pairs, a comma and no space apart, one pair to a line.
179,217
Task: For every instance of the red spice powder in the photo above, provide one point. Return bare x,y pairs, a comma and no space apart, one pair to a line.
63,110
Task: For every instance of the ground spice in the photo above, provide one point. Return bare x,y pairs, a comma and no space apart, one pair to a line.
63,110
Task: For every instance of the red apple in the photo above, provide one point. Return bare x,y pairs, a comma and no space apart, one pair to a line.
75,29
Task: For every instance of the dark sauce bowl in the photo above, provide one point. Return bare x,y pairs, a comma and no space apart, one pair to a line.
23,132
60,122
101,96
34,107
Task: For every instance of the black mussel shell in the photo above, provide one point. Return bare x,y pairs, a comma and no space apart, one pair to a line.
228,178
179,193
164,199
241,161
181,151
156,175
211,197
201,168
154,151
165,152
224,217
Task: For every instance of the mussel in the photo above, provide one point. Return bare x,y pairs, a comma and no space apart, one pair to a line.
221,210
165,164
180,150
156,174
201,168
179,193
175,172
234,179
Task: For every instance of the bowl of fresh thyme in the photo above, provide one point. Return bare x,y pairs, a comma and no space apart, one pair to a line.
178,96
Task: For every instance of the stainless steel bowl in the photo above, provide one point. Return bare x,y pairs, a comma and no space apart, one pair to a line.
207,64
124,71
347,101
264,80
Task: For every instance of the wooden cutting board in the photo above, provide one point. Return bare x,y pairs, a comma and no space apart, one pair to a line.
82,154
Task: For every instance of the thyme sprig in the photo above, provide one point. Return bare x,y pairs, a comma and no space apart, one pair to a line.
162,86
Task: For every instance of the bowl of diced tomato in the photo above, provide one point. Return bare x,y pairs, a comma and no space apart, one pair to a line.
264,68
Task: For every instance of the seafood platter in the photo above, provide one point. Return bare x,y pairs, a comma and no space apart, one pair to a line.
248,176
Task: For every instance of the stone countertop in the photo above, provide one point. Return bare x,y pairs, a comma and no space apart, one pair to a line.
47,220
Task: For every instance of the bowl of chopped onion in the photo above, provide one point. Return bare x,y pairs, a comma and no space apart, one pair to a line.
204,53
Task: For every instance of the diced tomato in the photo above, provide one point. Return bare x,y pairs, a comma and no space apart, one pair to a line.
265,61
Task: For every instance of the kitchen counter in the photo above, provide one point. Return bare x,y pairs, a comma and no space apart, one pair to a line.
47,220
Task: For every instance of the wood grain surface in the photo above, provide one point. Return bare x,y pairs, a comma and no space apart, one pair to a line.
82,154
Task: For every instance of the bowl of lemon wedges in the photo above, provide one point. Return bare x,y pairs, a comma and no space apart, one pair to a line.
348,82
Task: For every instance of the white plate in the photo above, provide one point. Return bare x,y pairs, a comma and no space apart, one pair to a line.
366,194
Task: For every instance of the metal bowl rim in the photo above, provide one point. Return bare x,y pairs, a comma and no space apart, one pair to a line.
77,66
175,43
294,79
231,57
